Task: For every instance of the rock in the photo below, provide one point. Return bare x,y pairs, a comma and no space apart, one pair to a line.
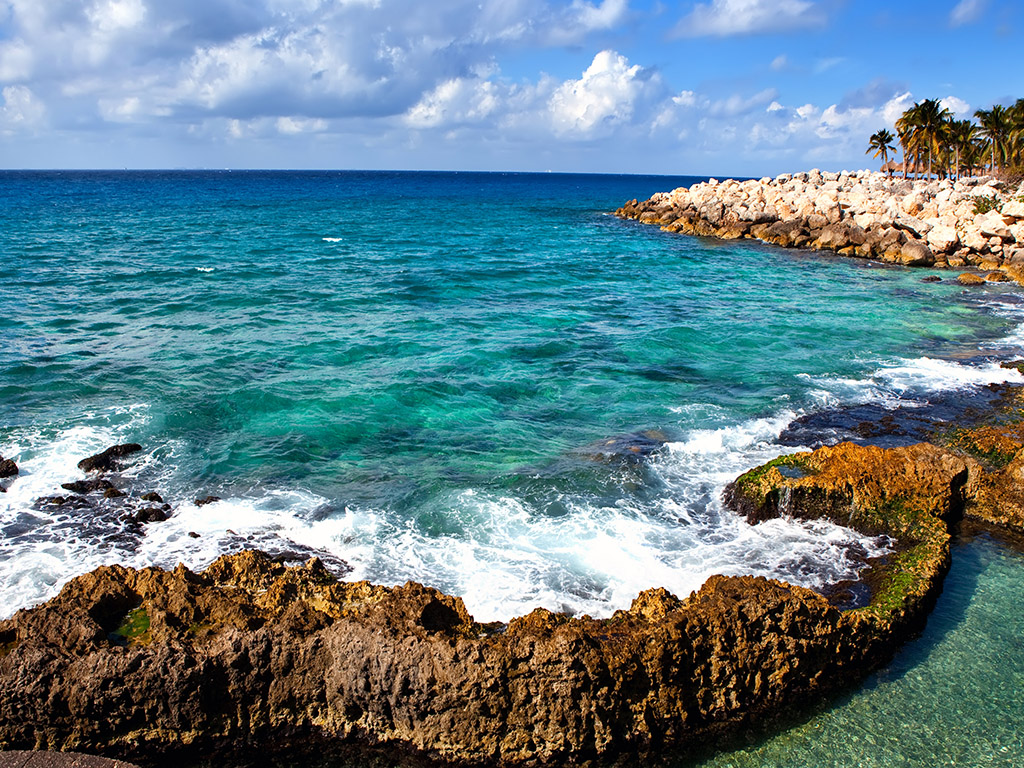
152,496
914,254
88,486
251,653
7,468
969,278
206,500
1014,209
149,515
991,225
37,759
110,459
943,239
998,277
931,279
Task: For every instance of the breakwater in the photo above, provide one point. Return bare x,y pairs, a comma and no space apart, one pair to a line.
944,224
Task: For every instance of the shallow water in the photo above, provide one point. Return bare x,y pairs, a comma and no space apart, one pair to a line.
954,696
417,374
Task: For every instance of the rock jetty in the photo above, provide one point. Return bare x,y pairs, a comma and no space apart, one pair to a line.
969,223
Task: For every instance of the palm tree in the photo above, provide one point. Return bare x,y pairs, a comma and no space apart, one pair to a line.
881,142
932,119
996,127
961,135
907,131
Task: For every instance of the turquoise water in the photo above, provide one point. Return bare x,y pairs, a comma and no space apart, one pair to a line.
953,697
410,372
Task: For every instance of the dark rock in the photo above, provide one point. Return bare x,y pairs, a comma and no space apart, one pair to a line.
150,515
153,496
88,486
193,535
931,279
110,459
7,468
113,493
206,500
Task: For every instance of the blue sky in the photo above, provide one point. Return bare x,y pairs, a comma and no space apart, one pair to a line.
721,87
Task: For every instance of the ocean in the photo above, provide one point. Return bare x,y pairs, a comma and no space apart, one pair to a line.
482,382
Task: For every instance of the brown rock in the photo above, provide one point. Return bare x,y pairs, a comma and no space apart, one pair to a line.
969,278
7,468
998,277
915,254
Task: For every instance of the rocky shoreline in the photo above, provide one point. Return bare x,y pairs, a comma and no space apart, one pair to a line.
976,222
250,655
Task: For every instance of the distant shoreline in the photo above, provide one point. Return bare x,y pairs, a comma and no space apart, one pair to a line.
973,223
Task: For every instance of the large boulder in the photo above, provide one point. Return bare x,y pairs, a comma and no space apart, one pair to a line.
943,239
916,254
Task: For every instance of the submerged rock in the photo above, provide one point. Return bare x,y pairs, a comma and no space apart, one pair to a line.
110,459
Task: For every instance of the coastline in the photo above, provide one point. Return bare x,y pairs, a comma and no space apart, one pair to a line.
299,612
253,653
868,215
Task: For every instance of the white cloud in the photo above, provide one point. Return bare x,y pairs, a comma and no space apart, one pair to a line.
290,126
780,62
113,15
21,110
455,101
958,107
605,95
582,18
725,18
966,12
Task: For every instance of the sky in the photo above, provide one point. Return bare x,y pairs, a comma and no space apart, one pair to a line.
720,87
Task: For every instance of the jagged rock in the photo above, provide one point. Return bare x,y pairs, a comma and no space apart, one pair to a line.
152,496
168,665
206,500
110,459
7,468
88,486
998,277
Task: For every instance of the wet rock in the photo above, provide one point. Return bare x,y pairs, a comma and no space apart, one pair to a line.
7,468
997,277
113,493
89,486
931,279
149,515
969,278
110,459
206,500
152,496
